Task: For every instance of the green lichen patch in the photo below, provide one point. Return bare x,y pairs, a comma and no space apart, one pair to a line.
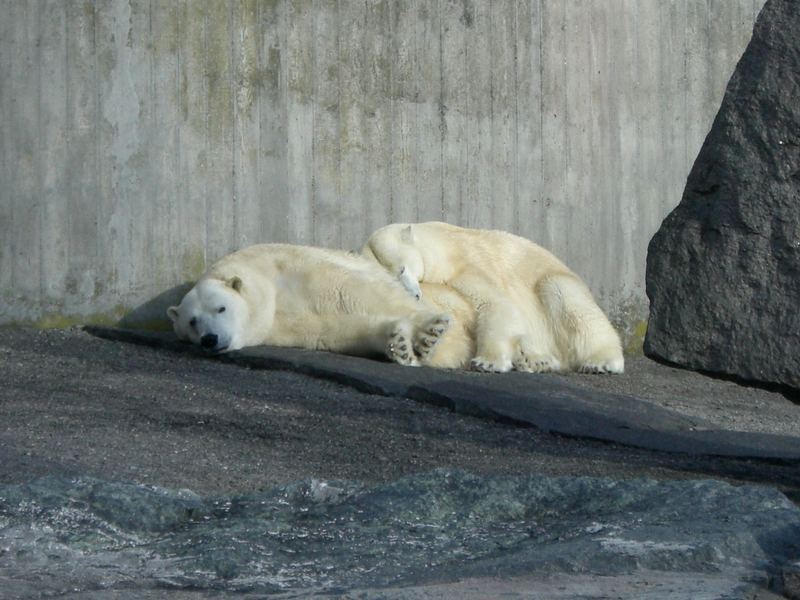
194,263
634,341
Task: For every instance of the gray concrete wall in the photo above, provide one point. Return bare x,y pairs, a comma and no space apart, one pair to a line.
143,139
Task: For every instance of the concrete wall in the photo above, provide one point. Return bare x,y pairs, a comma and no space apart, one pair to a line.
143,139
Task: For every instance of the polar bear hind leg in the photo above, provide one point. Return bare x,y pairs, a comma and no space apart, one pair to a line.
429,333
399,348
582,331
414,338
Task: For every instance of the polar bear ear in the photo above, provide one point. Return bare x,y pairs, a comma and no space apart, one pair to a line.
235,282
172,313
407,234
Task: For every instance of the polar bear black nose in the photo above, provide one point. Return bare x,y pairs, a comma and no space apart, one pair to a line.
209,340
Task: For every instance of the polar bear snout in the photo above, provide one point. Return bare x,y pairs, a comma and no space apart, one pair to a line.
214,343
209,341
410,282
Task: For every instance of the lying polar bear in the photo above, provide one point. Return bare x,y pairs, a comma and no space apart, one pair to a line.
316,298
532,312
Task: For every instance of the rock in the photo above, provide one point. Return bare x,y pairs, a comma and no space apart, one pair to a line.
791,581
331,537
723,271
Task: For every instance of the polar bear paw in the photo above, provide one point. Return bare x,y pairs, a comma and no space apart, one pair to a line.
429,334
603,367
530,362
488,365
399,347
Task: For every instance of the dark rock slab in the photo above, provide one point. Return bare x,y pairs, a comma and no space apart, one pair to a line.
438,527
546,402
723,271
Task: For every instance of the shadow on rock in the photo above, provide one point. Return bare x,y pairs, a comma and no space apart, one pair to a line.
152,315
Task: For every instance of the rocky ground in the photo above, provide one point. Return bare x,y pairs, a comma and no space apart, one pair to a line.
77,404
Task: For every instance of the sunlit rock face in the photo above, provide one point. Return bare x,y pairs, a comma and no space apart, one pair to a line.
723,271
85,534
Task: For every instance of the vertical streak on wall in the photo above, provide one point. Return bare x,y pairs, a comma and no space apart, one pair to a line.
300,119
576,205
403,92
631,129
220,197
274,196
143,170
352,135
190,227
429,139
327,189
453,108
669,169
53,148
164,157
697,52
123,126
554,123
25,233
480,63
8,154
529,124
648,140
105,60
248,82
502,149
376,117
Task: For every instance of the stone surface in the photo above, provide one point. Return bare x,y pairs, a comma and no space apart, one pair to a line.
549,403
723,271
791,581
437,527
81,415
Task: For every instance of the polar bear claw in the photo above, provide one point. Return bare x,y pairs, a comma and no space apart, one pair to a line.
487,365
399,348
430,333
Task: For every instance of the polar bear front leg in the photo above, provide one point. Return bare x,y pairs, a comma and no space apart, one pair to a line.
530,359
354,334
497,328
603,362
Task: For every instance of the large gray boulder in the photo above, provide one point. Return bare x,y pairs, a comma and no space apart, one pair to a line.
723,271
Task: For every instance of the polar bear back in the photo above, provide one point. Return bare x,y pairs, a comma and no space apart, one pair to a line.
448,250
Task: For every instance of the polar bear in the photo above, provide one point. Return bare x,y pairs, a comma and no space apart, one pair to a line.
317,298
532,312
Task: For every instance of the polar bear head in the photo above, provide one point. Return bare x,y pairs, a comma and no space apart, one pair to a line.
395,247
213,314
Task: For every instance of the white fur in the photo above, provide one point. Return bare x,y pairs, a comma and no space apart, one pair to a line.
285,295
532,313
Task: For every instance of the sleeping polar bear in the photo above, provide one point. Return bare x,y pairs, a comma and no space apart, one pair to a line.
532,312
317,298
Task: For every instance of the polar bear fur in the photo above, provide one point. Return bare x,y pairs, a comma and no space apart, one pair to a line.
532,312
316,298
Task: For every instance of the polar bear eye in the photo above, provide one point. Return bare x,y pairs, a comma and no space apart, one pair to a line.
221,309
193,322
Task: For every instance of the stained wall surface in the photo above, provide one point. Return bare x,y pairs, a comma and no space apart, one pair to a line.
143,139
